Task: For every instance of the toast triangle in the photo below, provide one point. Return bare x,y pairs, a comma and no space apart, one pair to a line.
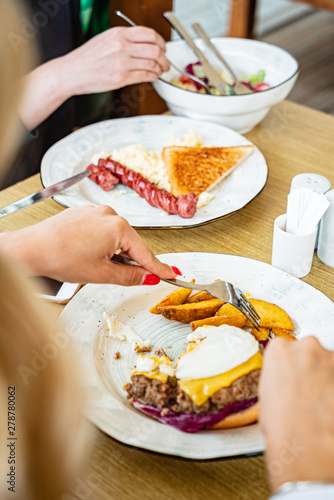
199,169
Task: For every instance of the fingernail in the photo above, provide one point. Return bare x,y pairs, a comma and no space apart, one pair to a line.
176,270
151,279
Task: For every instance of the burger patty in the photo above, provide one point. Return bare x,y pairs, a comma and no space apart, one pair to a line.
151,391
168,395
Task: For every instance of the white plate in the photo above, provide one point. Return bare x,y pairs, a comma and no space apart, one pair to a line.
73,154
311,311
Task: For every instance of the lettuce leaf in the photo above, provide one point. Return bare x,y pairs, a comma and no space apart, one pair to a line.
254,79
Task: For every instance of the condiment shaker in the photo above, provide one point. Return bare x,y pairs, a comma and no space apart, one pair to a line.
315,182
326,234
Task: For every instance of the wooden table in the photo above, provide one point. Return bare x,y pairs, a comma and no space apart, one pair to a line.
294,139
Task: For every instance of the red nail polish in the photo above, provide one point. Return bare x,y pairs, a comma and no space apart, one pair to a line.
176,270
151,279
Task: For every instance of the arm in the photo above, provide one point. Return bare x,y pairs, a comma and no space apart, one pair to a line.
76,246
113,59
297,412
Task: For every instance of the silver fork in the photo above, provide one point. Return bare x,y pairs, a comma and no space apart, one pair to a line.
220,289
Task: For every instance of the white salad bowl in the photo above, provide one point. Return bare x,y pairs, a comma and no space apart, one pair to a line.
239,112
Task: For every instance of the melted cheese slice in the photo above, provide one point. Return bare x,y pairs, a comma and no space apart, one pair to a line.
201,390
163,377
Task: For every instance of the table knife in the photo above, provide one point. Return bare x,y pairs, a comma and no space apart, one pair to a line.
214,78
31,199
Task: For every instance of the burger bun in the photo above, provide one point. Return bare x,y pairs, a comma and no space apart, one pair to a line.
246,417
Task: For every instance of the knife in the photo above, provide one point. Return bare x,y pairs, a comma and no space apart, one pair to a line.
215,79
31,199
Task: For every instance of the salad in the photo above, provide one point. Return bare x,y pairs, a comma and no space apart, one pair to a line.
254,82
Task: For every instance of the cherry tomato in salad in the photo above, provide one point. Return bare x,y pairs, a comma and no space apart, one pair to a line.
185,79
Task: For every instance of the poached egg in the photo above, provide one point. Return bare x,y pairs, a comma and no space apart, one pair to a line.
223,348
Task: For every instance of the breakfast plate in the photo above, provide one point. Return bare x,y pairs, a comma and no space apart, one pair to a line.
74,153
104,377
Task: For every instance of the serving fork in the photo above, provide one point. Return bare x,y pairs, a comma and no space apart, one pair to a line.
240,88
211,73
222,290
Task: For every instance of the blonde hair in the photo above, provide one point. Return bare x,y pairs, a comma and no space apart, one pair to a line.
38,381
38,368
14,65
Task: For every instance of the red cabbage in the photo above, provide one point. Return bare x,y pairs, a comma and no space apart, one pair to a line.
247,83
190,70
264,342
192,422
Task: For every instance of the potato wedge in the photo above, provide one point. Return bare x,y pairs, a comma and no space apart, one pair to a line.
218,320
261,334
272,316
199,297
185,313
231,312
179,296
280,332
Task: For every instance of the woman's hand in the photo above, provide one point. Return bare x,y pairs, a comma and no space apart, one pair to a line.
77,244
297,411
115,58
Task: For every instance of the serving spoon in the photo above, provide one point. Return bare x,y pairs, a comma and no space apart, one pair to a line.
210,72
240,88
184,73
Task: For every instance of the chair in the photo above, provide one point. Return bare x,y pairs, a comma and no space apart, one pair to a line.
243,15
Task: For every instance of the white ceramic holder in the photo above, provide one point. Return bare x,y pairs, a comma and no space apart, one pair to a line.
292,253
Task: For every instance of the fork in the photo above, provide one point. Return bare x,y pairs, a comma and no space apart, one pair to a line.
222,290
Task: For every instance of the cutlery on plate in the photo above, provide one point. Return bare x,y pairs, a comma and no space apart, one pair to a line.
185,73
45,193
240,88
213,76
220,289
